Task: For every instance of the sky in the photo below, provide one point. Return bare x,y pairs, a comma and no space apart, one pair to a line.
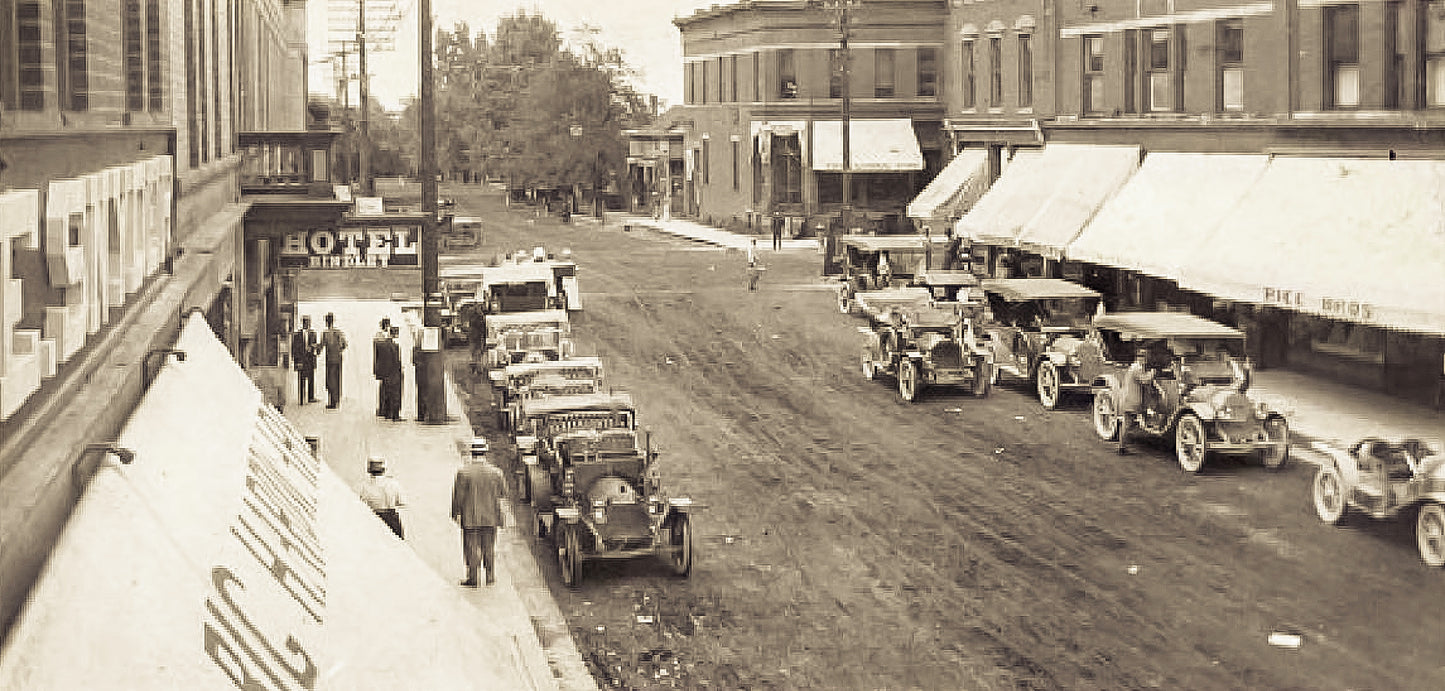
642,29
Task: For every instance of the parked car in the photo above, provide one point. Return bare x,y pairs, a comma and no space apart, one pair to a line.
1037,326
950,286
1199,396
559,378
458,285
595,488
1383,479
873,262
519,287
927,347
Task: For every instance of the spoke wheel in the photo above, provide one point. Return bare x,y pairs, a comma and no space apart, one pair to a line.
1275,457
869,371
1328,492
569,555
1106,418
1430,533
681,537
1189,443
1048,385
908,381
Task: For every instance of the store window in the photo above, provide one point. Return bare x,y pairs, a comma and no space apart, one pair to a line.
1434,54
1093,93
883,74
1230,59
969,83
787,160
1342,56
927,71
1026,72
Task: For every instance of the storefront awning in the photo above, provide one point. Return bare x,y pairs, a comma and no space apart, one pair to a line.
956,188
875,146
1044,198
1162,216
1352,239
227,556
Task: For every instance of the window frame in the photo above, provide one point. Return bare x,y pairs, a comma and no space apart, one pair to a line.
1429,98
1167,67
882,88
787,78
1025,60
968,81
1091,74
1225,62
1335,62
927,72
995,71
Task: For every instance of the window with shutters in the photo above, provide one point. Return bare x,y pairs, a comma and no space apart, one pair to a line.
1342,56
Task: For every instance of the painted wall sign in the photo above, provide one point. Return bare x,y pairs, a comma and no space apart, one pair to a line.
349,246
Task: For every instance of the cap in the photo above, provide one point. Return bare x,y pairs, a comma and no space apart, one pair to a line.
375,464
478,446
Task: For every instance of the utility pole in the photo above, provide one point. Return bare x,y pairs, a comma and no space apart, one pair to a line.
363,143
431,384
845,215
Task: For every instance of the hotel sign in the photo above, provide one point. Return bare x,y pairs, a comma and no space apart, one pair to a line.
348,246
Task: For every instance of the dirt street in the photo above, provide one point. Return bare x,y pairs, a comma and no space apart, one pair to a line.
850,541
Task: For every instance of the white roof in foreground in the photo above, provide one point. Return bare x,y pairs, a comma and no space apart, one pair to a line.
177,571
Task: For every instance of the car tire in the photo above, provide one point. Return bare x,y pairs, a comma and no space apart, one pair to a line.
1278,430
1106,417
908,384
1430,533
1327,493
569,554
680,539
1046,381
1190,443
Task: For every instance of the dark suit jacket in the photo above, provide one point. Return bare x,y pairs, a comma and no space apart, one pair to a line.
303,349
386,359
477,495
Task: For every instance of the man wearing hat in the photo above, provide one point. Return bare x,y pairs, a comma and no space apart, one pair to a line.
477,508
383,494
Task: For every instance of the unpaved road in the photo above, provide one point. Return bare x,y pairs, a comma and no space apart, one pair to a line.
850,541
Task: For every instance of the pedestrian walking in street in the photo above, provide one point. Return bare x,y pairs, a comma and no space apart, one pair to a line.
777,233
304,344
1137,379
383,495
477,497
754,270
333,342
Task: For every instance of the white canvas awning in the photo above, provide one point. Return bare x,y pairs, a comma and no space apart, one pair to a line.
875,146
956,187
1045,198
227,556
1353,239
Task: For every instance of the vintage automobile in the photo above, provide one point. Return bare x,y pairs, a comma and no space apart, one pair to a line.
564,272
872,262
1382,479
1199,395
1036,329
517,337
519,287
543,385
950,286
508,380
595,489
875,304
459,285
927,346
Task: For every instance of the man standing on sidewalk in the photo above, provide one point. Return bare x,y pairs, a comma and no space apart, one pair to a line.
332,343
777,232
477,497
303,358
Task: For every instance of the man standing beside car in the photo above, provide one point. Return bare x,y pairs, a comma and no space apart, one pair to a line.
477,495
1137,380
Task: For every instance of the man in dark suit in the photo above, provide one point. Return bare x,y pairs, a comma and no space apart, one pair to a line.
477,497
303,357
333,342
393,376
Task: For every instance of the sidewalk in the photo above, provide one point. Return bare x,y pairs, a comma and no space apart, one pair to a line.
519,609
690,230
1335,414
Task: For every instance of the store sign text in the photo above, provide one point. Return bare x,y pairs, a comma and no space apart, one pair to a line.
355,246
1344,309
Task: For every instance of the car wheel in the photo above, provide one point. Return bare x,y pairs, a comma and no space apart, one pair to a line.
1430,533
869,371
1328,492
983,379
1190,445
1275,457
681,542
1106,418
569,555
1047,382
908,381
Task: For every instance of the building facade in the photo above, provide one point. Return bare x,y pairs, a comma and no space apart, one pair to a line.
763,90
121,212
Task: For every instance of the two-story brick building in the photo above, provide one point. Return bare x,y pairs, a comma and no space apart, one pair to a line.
120,210
764,99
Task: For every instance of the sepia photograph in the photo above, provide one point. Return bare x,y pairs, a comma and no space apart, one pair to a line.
875,345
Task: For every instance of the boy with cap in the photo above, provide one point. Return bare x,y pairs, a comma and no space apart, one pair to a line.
383,495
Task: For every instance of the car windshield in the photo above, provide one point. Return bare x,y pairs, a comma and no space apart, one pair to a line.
1207,349
1066,312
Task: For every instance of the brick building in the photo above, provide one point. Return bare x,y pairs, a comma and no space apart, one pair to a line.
120,211
764,105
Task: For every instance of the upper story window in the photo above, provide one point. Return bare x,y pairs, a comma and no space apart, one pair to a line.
787,74
689,83
1229,57
1342,56
155,90
29,50
1026,72
969,84
927,71
74,61
721,79
1161,71
1093,87
733,76
883,74
133,43
995,72
1433,58
835,73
